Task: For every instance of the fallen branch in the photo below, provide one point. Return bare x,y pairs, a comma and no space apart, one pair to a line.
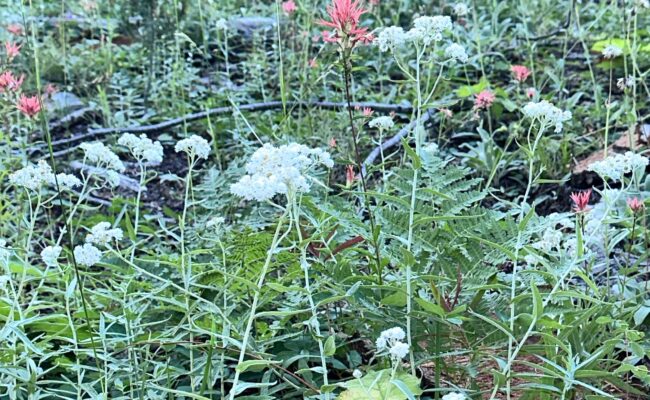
165,125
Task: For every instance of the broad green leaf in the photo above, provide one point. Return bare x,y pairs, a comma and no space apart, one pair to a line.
255,365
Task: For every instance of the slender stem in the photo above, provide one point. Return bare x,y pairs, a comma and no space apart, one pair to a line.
256,298
186,267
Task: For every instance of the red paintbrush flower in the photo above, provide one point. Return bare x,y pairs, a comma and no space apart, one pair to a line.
484,100
289,7
12,50
350,176
635,204
344,18
30,106
9,82
15,29
520,72
581,201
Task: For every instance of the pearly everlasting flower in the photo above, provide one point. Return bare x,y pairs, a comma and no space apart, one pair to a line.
616,166
357,374
67,181
461,9
388,337
627,82
100,155
612,51
102,234
279,170
547,114
194,146
399,350
429,29
390,38
454,396
50,255
222,24
456,52
551,240
142,148
382,123
32,177
87,255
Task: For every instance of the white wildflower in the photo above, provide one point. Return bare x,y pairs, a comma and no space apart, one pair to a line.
50,255
547,114
627,82
100,155
390,38
279,170
215,222
222,24
389,337
454,396
87,255
102,234
612,51
616,166
67,181
384,122
461,9
142,148
429,29
32,177
357,374
456,52
194,146
551,239
399,350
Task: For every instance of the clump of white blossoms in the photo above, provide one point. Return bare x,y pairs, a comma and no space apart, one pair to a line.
429,29
32,177
461,9
627,82
194,146
547,114
67,181
87,255
384,123
391,340
102,157
612,51
142,148
50,255
222,24
456,52
279,170
102,234
390,38
616,166
454,396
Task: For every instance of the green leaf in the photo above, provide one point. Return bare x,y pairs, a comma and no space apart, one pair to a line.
255,365
330,346
415,159
377,385
431,307
538,305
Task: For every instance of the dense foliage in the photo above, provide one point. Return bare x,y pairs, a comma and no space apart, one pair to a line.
324,199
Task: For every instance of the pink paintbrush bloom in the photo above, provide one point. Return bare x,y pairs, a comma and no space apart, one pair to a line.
581,201
531,93
344,19
367,112
520,72
332,143
15,29
9,82
484,100
30,106
350,176
12,50
50,89
635,204
289,7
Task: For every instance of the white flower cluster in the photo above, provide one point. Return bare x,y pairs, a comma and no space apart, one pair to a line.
456,52
32,176
50,255
87,255
102,234
383,123
461,9
616,166
391,340
547,114
100,155
142,148
390,38
194,146
627,82
551,240
612,51
279,170
429,29
425,30
454,396
222,24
